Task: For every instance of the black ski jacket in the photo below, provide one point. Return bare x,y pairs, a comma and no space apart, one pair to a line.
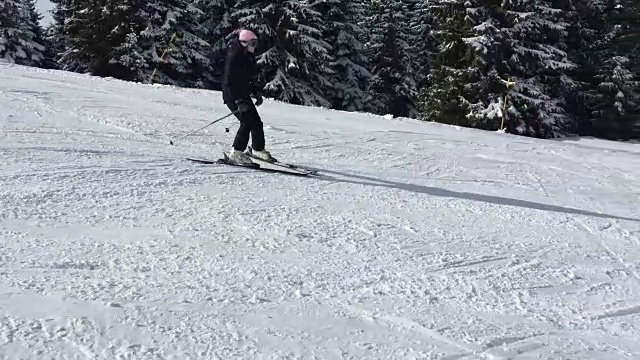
240,70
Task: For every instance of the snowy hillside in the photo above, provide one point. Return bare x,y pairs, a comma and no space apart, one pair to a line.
417,241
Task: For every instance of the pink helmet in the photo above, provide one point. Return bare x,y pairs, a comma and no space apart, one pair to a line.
246,35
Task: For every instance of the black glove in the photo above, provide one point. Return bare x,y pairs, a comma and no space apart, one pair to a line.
259,99
243,106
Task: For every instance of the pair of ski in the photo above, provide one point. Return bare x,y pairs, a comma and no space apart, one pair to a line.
262,165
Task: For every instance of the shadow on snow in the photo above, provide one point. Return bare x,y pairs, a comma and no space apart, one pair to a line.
434,191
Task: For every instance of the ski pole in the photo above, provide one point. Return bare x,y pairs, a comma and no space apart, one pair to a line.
209,124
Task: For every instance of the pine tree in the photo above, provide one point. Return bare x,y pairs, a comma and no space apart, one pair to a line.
489,73
55,33
159,26
585,47
91,31
124,59
80,28
33,24
125,39
444,98
392,87
615,101
55,47
19,33
66,29
293,58
537,64
215,19
424,44
216,28
485,45
350,75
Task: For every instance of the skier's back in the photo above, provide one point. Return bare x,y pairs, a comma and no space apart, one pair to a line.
238,85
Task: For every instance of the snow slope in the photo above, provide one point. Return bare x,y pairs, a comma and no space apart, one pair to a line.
420,241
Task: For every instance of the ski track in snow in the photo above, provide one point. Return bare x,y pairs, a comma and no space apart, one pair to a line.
418,241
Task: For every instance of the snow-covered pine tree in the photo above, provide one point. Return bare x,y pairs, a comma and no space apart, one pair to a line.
538,66
424,43
91,30
55,33
292,55
216,28
125,61
445,95
392,88
155,22
19,42
54,47
69,18
33,23
588,42
349,65
215,18
126,38
484,87
483,45
82,31
615,101
585,43
615,114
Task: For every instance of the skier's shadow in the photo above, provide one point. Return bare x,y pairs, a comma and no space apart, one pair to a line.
434,191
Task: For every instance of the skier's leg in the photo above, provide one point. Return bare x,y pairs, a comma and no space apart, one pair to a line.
257,137
241,139
257,129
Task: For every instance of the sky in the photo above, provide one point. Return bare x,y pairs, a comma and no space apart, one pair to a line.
44,6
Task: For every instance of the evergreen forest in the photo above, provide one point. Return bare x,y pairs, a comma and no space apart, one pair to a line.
538,68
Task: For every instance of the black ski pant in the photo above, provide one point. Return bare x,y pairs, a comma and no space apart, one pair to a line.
250,124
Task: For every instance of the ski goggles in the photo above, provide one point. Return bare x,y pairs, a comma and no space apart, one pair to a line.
253,43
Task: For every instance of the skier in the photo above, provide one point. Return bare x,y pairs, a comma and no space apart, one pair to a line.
238,85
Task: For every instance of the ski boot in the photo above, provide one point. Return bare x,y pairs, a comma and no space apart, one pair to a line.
240,158
263,155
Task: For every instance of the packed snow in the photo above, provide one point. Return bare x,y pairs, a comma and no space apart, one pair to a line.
414,241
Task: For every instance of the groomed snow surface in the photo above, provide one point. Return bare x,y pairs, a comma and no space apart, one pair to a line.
418,241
